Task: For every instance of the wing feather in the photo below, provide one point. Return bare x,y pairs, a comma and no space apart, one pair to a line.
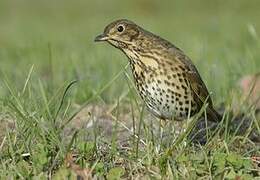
199,89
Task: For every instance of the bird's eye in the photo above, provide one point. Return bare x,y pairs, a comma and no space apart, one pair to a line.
120,28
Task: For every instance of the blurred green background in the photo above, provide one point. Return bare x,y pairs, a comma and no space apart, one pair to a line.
46,44
56,36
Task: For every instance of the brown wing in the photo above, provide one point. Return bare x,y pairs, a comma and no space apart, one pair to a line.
198,87
200,90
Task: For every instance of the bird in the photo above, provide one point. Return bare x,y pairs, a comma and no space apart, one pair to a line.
165,78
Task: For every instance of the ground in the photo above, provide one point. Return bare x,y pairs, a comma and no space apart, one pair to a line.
69,107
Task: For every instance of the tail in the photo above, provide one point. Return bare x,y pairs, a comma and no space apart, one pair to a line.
213,115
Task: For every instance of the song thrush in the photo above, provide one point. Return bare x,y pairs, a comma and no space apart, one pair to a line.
165,77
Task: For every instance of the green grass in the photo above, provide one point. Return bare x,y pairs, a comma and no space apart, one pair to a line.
46,45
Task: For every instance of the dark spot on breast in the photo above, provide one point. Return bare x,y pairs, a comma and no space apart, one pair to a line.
167,82
180,79
142,75
177,87
177,94
186,81
180,103
169,77
135,74
148,93
182,68
184,87
174,75
170,63
170,91
160,102
159,82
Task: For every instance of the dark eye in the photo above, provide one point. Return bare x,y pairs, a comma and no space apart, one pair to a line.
120,28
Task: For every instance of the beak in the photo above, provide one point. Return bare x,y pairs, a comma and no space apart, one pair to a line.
101,37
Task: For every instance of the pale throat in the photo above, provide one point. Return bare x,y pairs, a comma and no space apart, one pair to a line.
137,58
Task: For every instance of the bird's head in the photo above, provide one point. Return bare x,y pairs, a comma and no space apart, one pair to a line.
121,34
132,39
